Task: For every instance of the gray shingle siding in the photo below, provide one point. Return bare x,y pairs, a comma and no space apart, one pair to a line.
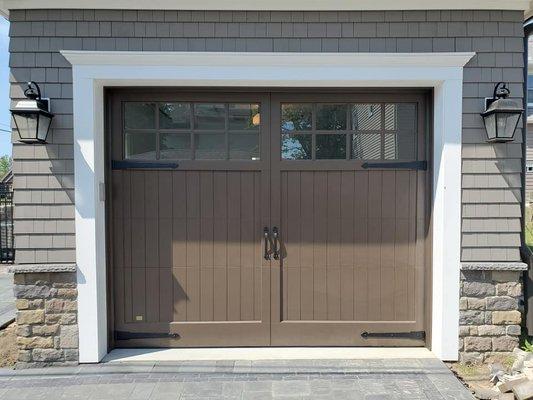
43,181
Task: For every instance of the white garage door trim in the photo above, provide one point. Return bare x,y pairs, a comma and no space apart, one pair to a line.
93,71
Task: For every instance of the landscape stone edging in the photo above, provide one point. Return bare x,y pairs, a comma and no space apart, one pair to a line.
41,268
490,266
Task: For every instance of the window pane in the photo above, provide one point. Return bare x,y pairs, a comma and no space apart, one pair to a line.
331,117
400,116
209,116
140,146
244,117
244,147
390,117
210,146
296,147
139,115
391,147
26,125
330,147
366,117
174,116
296,117
366,146
175,146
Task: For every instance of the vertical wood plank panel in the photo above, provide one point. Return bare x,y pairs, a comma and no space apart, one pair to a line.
138,285
247,246
166,290
284,278
292,218
257,245
180,297
320,303
333,245
152,294
306,245
374,244
220,227
388,228
206,246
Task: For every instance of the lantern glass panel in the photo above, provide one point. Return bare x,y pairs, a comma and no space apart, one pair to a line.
490,126
44,126
26,125
507,124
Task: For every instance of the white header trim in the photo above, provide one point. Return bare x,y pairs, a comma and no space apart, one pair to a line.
274,5
267,59
266,70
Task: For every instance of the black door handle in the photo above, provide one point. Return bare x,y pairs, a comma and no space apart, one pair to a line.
266,235
275,236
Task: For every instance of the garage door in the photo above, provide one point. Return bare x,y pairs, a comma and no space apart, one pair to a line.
256,219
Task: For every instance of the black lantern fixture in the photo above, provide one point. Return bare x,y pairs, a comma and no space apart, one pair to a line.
32,116
502,115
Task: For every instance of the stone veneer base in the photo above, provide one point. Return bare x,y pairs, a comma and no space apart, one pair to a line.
491,307
47,329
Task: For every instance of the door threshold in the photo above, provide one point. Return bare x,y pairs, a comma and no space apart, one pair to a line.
265,353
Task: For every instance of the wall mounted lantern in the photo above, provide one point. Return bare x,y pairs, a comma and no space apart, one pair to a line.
32,116
502,115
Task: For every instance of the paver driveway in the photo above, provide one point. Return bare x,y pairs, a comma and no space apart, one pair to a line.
396,379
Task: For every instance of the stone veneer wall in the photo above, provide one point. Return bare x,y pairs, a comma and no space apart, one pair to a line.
47,330
491,307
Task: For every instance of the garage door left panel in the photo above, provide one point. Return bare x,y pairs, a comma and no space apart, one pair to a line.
189,200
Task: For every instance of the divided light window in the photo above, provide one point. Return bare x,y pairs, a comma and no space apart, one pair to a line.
188,131
362,131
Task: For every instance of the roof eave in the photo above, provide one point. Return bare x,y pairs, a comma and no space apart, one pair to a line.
281,5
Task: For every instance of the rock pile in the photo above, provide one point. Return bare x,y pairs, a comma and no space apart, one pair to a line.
516,384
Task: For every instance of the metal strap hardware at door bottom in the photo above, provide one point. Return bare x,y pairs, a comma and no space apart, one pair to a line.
418,165
417,335
123,335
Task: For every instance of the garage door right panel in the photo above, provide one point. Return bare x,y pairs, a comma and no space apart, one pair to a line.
352,222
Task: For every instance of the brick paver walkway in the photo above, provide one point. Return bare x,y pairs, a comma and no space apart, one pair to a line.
306,379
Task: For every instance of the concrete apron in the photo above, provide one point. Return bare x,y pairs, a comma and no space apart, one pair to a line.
266,353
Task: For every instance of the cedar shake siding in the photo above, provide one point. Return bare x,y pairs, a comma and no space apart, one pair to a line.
43,174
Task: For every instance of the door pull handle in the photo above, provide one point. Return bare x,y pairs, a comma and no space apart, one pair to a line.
275,236
266,235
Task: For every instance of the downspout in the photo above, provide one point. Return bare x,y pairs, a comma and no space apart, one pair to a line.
526,252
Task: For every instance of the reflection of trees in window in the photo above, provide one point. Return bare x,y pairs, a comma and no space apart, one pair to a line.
174,116
331,117
330,147
296,117
139,115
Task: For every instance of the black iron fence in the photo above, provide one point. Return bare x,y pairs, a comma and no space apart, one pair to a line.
7,245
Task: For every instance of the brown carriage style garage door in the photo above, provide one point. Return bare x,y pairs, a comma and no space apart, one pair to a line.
270,218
